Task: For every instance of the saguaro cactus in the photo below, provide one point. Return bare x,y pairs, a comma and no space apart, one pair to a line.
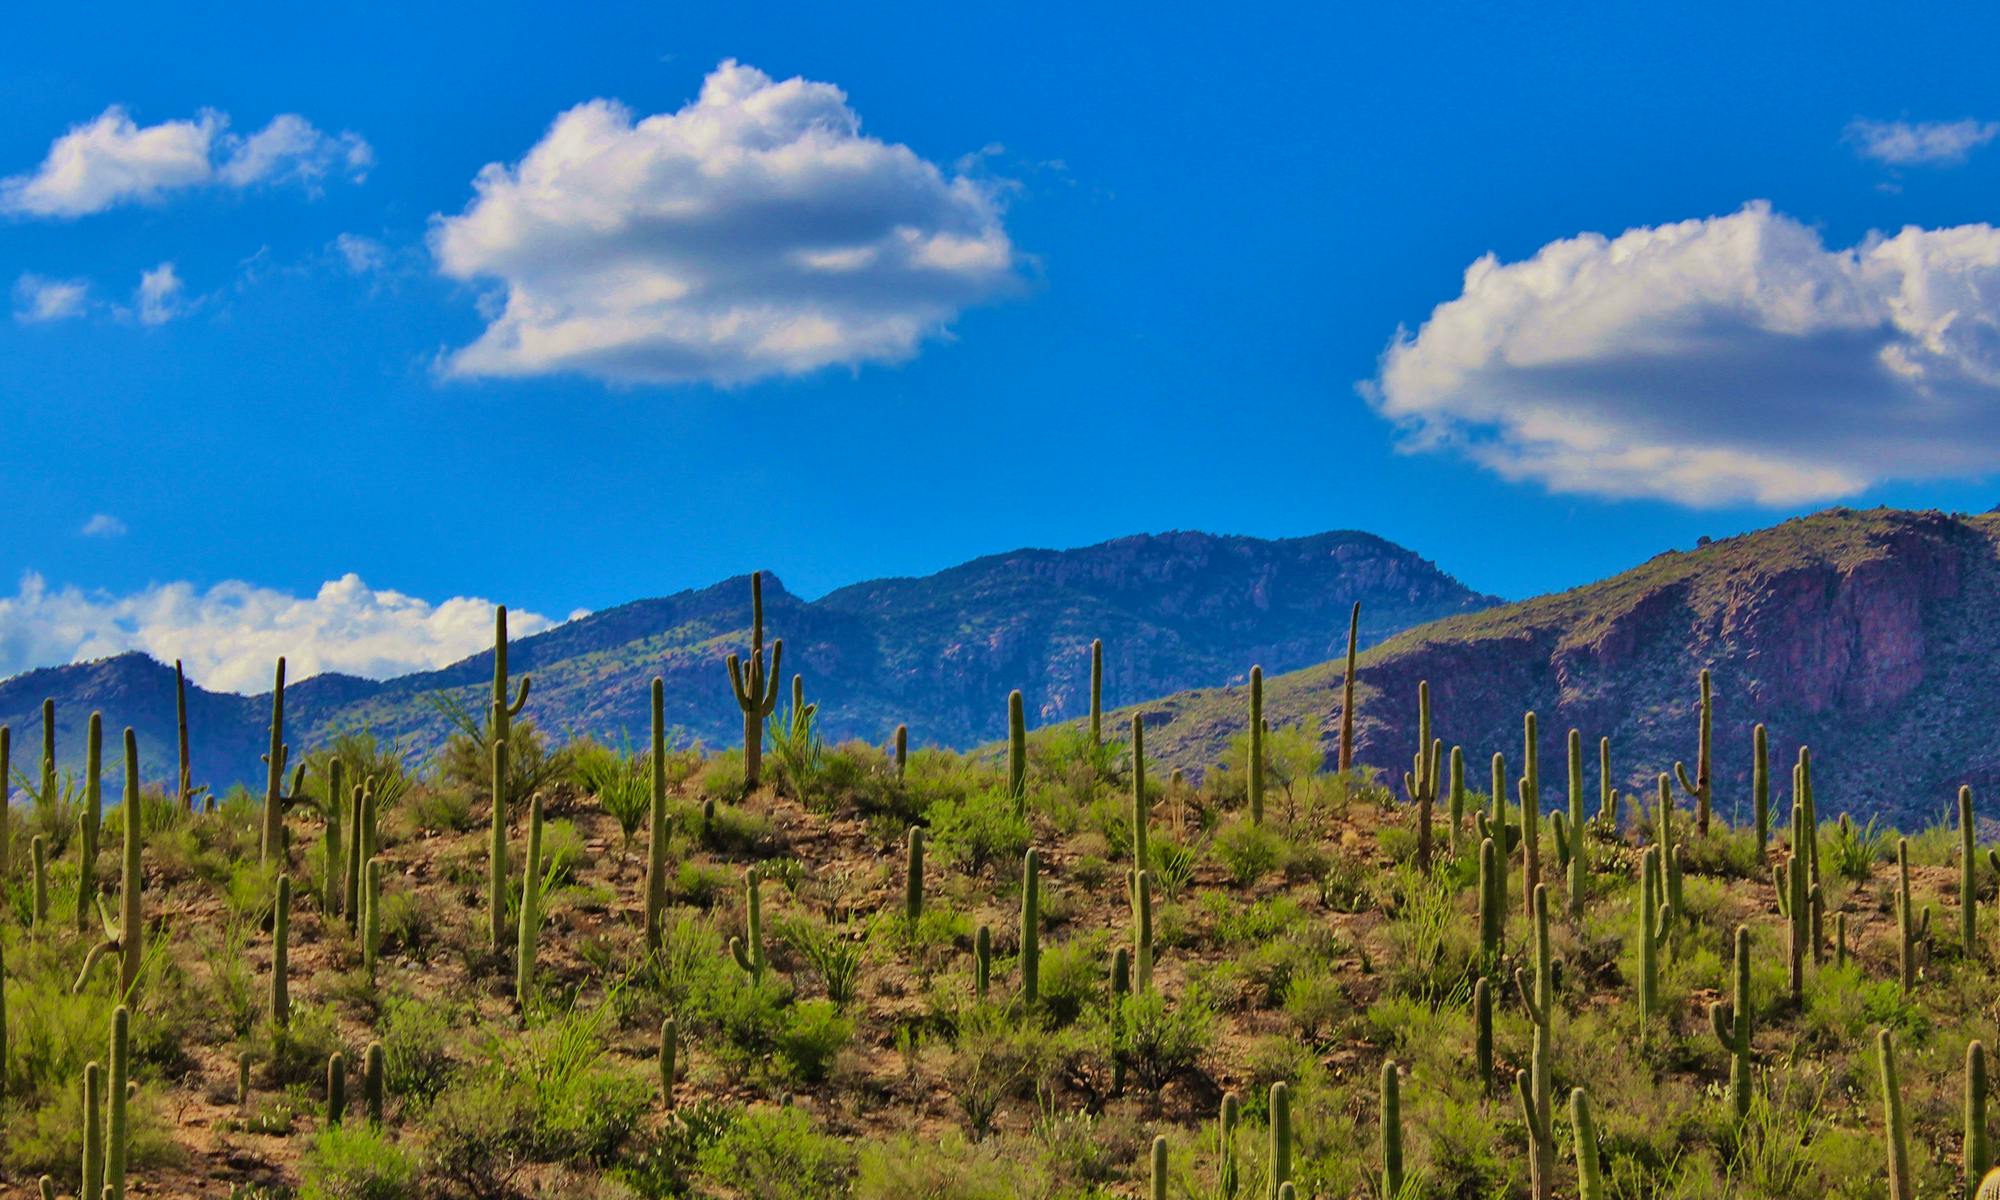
1968,875
1816,894
1791,880
334,885
1896,1133
1569,834
1392,1132
277,801
374,1084
913,879
1912,933
1017,751
1531,814
656,822
1256,764
1142,933
188,793
1346,759
1541,1151
1496,829
281,924
1731,1021
1159,1174
39,855
90,821
982,961
115,1140
902,751
1589,1175
336,1087
1281,1135
1539,1003
501,712
755,687
1492,904
1031,927
670,1042
1482,1025
1976,1155
748,950
93,1129
1455,803
1607,792
1228,1114
1096,693
1760,787
1655,921
1142,854
126,939
531,910
371,917
1421,785
1698,787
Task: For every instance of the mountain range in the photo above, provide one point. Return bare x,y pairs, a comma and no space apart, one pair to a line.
1175,611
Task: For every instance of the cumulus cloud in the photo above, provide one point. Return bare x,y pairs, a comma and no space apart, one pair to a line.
755,232
37,300
159,298
229,635
1722,360
113,160
103,525
1920,143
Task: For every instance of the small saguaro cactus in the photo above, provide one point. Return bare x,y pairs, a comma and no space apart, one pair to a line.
47,794
670,1044
1699,787
374,1081
1281,1135
1730,1019
1345,761
1228,1115
1422,787
529,934
1895,1130
1017,751
126,939
1256,764
1496,829
1815,894
1968,875
1142,854
336,1087
913,879
902,751
1655,922
243,1079
1492,903
1482,1027
1031,927
278,801
1392,1131
1096,692
90,821
1142,932
1976,1154
1664,837
1159,1174
39,853
656,822
93,1129
982,961
281,924
1531,814
371,917
1455,799
187,794
1541,1150
748,950
1589,1174
1912,933
1760,787
756,687
1569,833
116,1143
1607,792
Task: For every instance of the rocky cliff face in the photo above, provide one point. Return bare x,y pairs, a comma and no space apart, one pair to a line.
1865,634
941,653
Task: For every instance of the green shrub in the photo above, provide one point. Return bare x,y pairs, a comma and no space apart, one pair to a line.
949,1168
414,1032
776,1154
814,1034
977,830
355,1162
1248,851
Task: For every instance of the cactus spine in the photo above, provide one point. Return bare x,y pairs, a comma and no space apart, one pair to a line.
281,924
1031,927
531,915
913,879
1912,933
1392,1132
1096,693
374,1074
1655,921
1731,1021
1698,787
1256,763
755,687
1968,875
1017,752
1346,759
1760,787
1142,854
1896,1133
1977,1154
336,1087
1281,1136
500,726
656,822
115,1144
1589,1176
1531,813
748,951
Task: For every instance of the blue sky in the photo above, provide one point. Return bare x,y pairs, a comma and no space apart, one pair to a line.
1150,263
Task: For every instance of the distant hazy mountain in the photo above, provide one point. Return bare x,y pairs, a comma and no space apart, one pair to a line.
1872,636
1176,611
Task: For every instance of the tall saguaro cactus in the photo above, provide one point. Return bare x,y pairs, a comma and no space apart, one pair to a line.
1699,786
1968,875
1912,933
1730,1020
92,819
1256,745
1392,1131
127,939
1142,853
1895,1129
756,686
656,823
1589,1174
1031,927
531,915
1096,693
748,950
1281,1136
1796,897
1569,833
1017,751
116,1143
1531,813
277,801
1539,1003
1760,786
1976,1155
503,708
1655,921
1346,759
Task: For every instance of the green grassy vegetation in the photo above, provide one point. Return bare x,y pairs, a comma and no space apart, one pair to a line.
1050,973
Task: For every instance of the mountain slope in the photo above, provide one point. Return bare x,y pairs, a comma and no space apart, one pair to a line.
1175,610
1868,635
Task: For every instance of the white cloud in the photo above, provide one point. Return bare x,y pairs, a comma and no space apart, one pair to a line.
229,635
113,160
103,525
363,255
37,299
755,232
1920,143
1729,359
159,298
